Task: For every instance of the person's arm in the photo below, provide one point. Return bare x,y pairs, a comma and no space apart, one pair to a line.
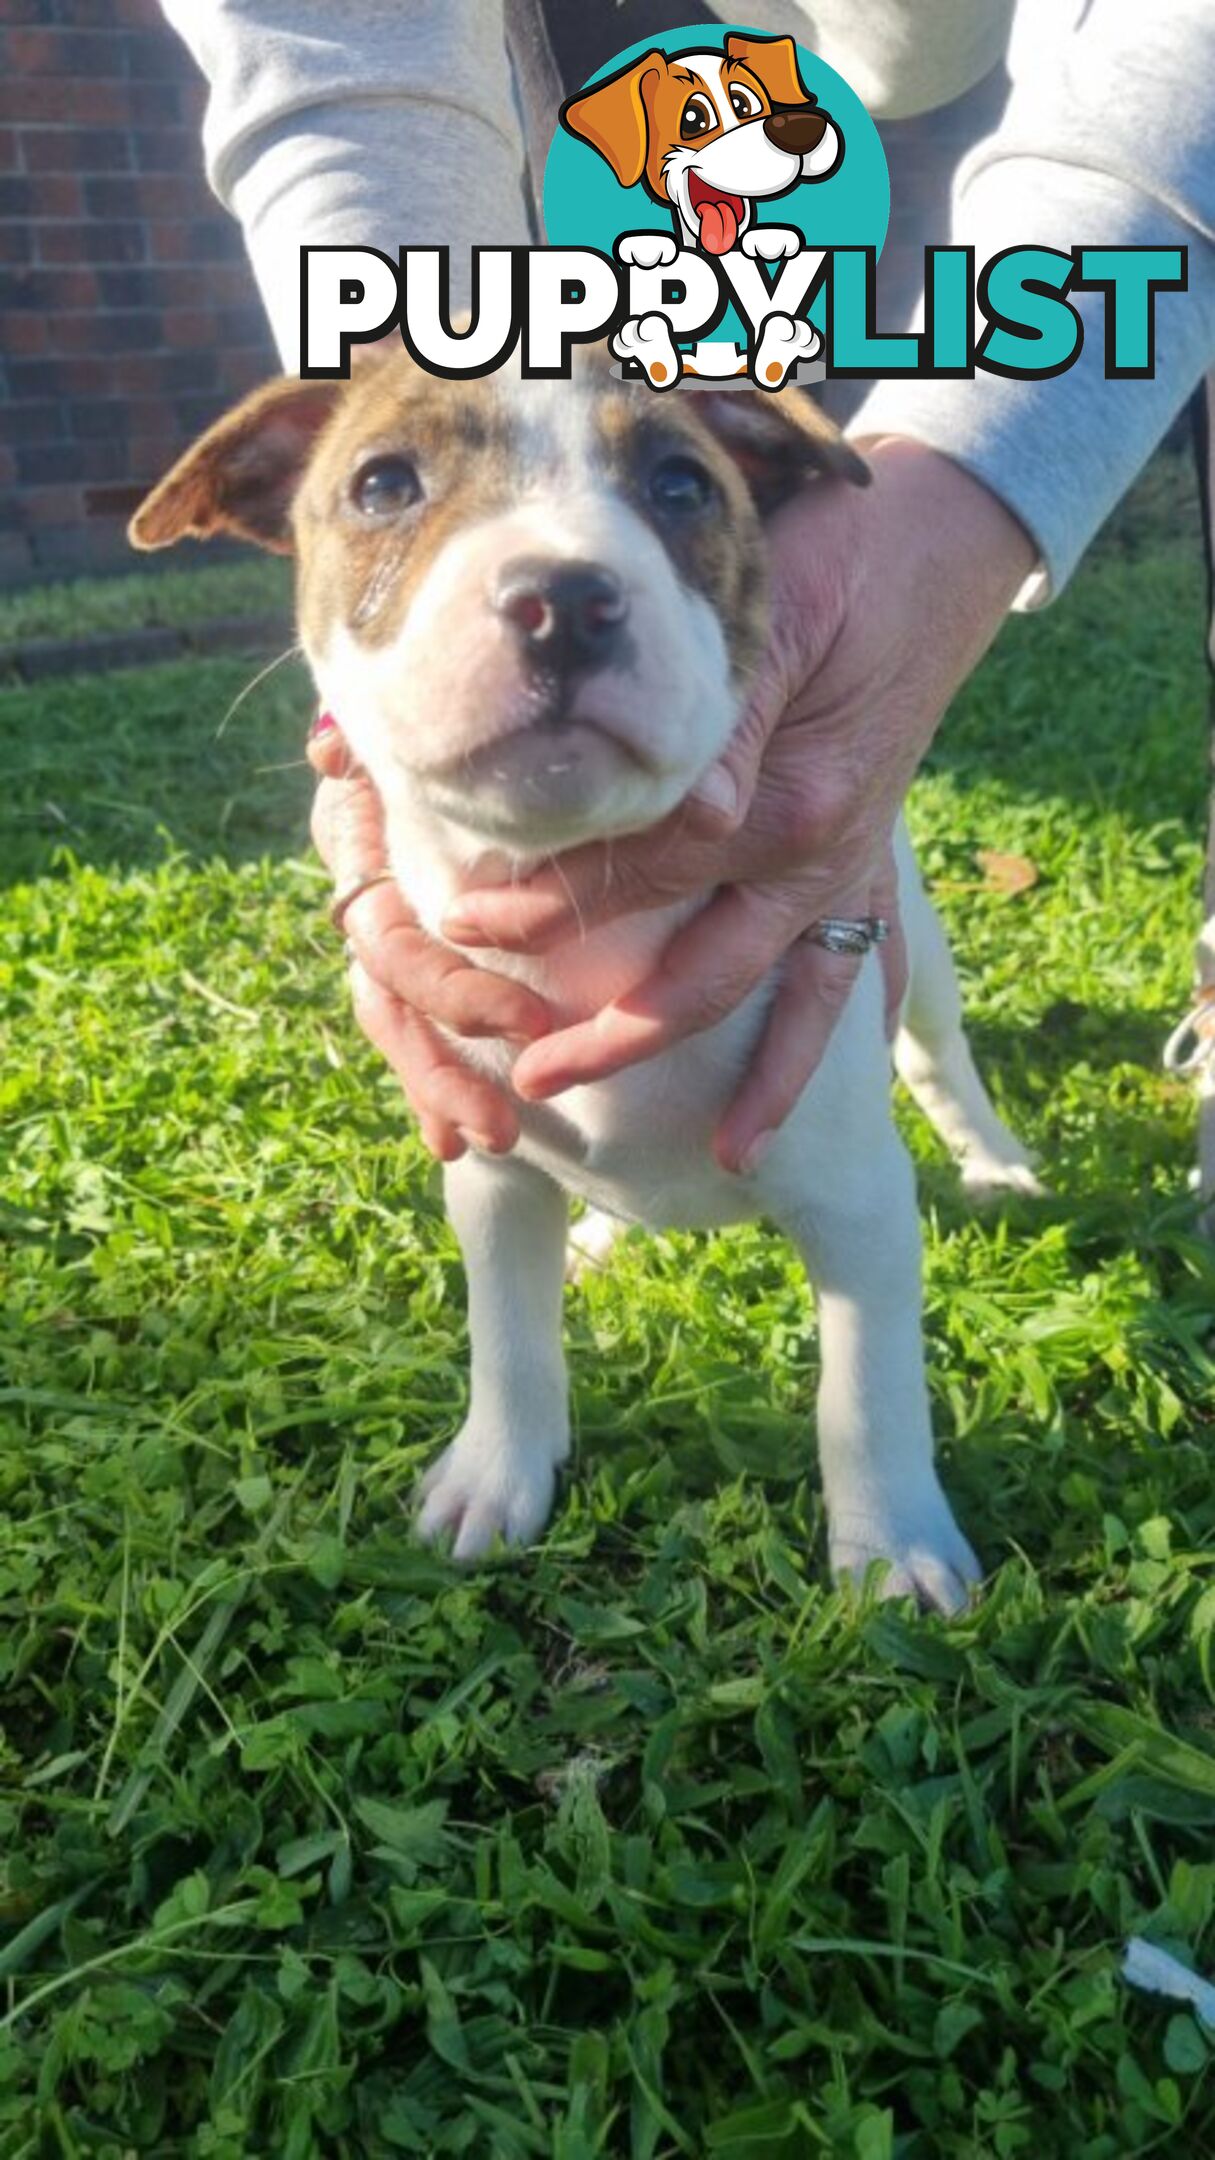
1108,139
374,123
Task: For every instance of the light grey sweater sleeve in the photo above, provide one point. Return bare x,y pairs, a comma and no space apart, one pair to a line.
1108,139
380,123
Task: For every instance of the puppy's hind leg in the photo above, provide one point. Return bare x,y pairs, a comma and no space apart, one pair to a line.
933,1058
497,1477
592,1241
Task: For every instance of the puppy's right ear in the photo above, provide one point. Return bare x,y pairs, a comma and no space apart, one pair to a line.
613,118
240,477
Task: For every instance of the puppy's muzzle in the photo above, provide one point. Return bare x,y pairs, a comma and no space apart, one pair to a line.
796,131
568,617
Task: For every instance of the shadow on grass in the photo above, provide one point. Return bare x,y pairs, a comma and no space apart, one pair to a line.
125,769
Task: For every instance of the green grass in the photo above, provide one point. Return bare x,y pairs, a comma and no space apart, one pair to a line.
251,585
647,1843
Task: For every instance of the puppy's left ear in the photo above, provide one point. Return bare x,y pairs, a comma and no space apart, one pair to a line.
773,61
613,116
778,438
241,476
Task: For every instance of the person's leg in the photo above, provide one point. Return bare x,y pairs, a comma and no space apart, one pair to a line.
1203,1017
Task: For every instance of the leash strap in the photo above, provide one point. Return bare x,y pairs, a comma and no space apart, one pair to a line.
554,46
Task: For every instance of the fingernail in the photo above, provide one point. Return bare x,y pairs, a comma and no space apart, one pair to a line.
718,791
322,725
751,1158
460,929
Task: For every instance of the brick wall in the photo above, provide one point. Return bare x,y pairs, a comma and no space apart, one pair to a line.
128,317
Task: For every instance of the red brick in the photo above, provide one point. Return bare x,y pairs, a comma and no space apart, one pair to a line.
22,334
129,195
54,503
56,50
75,149
199,240
62,291
239,371
31,421
98,104
151,455
56,195
96,240
80,375
190,327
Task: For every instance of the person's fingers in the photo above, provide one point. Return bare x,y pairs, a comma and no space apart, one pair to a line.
448,989
590,885
722,797
814,988
348,829
707,969
327,749
452,1102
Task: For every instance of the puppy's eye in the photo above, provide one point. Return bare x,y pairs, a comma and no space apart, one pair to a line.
386,485
681,486
744,102
697,118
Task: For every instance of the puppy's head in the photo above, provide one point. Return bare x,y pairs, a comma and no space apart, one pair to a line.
710,132
533,606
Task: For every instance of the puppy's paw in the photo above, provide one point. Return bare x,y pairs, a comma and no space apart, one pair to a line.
987,1177
647,250
647,340
784,341
771,243
476,1494
591,1242
926,1554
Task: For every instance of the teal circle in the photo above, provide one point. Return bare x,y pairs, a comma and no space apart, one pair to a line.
585,205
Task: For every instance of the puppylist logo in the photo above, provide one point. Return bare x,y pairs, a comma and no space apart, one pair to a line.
715,210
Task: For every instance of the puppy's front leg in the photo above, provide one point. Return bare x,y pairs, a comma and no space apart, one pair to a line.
497,1477
884,1500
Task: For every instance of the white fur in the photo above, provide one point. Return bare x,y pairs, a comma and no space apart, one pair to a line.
836,1177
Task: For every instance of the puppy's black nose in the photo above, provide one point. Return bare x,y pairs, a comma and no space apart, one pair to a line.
568,616
799,130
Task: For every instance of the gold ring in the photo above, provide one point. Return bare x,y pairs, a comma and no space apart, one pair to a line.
352,892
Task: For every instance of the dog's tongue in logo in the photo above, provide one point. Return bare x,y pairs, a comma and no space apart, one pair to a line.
719,215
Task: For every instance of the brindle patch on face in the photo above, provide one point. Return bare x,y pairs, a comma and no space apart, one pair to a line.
480,449
363,571
719,553
483,449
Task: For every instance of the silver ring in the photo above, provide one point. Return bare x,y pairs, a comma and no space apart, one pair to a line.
851,935
352,892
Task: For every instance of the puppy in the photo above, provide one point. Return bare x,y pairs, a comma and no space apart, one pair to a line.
535,608
710,134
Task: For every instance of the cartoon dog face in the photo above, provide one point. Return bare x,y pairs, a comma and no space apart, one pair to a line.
709,133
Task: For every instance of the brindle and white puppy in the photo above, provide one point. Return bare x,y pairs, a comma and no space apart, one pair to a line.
535,608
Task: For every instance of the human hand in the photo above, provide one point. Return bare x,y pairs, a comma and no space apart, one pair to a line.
883,602
406,986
